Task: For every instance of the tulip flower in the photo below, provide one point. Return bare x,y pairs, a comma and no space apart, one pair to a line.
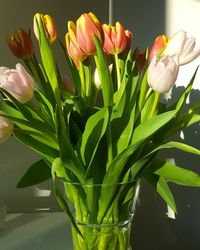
6,128
115,38
20,44
48,25
159,44
96,78
185,47
68,85
129,36
88,26
140,59
17,82
72,45
162,73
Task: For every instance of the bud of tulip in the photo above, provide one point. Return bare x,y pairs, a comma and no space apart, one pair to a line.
68,85
88,26
129,36
48,25
162,73
183,46
159,44
140,59
72,45
6,128
17,82
96,77
115,38
20,44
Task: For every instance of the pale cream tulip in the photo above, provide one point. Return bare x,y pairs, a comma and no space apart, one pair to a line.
162,73
17,82
6,128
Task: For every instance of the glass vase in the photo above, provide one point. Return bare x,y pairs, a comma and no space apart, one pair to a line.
103,214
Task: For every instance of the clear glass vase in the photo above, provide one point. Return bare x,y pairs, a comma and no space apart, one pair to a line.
103,214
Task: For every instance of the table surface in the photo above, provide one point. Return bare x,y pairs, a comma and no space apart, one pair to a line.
36,231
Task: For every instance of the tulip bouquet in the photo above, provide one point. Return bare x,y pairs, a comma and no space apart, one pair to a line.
99,129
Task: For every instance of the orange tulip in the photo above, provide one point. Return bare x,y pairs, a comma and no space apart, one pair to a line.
115,38
20,44
87,26
48,25
160,43
72,45
129,36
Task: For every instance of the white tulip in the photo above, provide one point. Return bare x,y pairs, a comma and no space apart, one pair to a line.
183,46
162,73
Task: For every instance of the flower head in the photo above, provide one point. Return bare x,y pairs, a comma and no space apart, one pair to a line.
162,73
88,26
72,45
115,38
159,44
48,25
20,44
185,47
17,82
6,128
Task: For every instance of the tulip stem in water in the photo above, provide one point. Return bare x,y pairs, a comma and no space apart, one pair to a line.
155,104
118,71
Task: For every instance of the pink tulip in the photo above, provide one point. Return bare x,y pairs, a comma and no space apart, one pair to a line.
17,82
6,128
185,47
162,73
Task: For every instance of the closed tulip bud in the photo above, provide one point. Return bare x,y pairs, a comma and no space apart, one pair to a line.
115,38
140,59
20,44
159,44
6,128
48,25
162,73
72,45
96,78
68,85
88,26
129,37
185,47
17,82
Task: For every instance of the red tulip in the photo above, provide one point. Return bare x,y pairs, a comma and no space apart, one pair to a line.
115,38
160,43
20,44
86,26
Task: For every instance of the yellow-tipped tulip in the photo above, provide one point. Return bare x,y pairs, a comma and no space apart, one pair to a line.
72,45
87,26
20,44
115,38
159,44
6,128
49,27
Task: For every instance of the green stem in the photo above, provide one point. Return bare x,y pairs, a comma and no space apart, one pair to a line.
82,77
148,93
117,70
155,104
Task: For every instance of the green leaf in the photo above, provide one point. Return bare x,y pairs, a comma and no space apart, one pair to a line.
161,186
104,74
37,173
94,130
149,127
174,173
